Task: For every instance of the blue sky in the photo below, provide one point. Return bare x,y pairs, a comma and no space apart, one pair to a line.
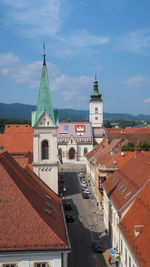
82,37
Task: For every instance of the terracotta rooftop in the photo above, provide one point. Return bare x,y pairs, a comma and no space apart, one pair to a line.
128,130
135,227
115,160
30,212
17,139
125,183
104,149
18,128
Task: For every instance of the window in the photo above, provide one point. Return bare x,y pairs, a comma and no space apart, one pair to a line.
96,118
124,189
96,110
45,150
1,147
9,265
125,256
114,179
121,246
85,150
129,261
41,264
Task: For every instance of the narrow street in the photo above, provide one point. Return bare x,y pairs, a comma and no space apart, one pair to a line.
85,227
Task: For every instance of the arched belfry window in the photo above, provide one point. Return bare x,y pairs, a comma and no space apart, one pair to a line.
45,150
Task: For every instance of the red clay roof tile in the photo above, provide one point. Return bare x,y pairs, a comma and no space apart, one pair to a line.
135,227
123,184
25,222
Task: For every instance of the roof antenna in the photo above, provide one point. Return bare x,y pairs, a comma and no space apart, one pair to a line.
95,77
44,61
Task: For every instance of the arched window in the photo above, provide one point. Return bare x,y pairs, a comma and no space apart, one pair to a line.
45,150
85,150
71,153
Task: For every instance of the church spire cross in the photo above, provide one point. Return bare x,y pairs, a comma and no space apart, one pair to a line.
44,61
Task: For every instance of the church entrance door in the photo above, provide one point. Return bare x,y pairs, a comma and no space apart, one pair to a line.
71,153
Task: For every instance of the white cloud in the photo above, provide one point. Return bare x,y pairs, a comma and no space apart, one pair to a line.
137,42
137,81
12,66
147,100
83,38
68,88
36,18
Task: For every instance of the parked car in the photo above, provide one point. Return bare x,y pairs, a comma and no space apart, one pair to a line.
81,174
85,196
83,180
87,191
98,247
67,205
69,218
83,186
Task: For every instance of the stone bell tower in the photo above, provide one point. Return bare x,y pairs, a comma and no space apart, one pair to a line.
45,123
96,107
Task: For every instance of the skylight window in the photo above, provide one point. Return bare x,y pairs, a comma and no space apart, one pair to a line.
47,203
47,211
128,194
114,179
124,189
48,196
118,183
121,186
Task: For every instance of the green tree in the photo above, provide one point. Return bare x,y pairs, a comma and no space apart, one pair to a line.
144,146
129,147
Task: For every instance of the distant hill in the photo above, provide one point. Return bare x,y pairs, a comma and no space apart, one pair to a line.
23,112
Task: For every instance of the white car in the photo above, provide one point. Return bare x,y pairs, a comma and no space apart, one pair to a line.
81,175
84,186
87,191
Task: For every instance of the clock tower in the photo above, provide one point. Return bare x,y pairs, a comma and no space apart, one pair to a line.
96,107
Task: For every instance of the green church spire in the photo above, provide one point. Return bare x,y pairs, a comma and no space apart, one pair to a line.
95,95
44,99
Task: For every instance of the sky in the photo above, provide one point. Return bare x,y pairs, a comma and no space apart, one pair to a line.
110,38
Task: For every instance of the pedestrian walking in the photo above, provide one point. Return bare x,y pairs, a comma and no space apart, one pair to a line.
109,259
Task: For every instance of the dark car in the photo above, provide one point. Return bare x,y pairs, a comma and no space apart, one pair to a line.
98,247
84,195
68,205
69,218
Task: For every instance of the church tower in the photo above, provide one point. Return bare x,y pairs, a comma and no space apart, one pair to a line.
96,107
45,123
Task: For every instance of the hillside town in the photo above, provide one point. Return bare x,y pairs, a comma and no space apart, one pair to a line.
70,196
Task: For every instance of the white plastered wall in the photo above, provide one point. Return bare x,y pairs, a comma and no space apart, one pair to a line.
99,115
28,259
47,169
